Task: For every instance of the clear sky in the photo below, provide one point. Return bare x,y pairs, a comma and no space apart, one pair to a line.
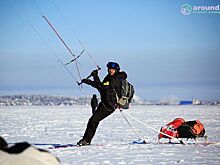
165,54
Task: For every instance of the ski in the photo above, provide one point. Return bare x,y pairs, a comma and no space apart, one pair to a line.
56,145
136,142
70,145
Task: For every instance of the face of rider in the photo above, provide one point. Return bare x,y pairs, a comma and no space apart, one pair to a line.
111,71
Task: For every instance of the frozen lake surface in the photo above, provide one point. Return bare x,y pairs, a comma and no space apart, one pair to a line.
111,142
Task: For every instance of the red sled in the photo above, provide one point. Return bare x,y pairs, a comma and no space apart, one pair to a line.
179,128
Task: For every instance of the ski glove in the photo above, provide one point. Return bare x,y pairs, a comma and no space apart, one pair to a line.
94,73
86,81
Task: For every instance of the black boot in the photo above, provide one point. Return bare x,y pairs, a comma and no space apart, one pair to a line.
83,142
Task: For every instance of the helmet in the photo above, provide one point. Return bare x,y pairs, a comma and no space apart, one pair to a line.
113,65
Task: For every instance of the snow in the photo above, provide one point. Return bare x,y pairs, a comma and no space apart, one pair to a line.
48,124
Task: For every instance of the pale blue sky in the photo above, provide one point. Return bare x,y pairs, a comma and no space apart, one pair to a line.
165,53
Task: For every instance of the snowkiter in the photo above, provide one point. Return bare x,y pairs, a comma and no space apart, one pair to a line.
108,89
94,103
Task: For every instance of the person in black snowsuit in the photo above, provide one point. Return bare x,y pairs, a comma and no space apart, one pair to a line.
94,103
108,89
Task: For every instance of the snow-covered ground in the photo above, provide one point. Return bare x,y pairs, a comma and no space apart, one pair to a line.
67,125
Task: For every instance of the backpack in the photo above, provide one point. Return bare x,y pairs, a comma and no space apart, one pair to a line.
191,129
127,93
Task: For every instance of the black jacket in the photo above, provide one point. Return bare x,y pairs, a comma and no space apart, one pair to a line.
108,88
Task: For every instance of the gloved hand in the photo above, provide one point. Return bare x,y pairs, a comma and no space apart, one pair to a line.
94,73
86,81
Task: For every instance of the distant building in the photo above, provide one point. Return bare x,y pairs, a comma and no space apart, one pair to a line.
185,103
196,102
193,102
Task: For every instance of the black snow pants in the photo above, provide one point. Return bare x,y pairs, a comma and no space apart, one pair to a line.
101,113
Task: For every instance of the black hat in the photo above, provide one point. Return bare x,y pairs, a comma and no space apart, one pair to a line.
113,65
